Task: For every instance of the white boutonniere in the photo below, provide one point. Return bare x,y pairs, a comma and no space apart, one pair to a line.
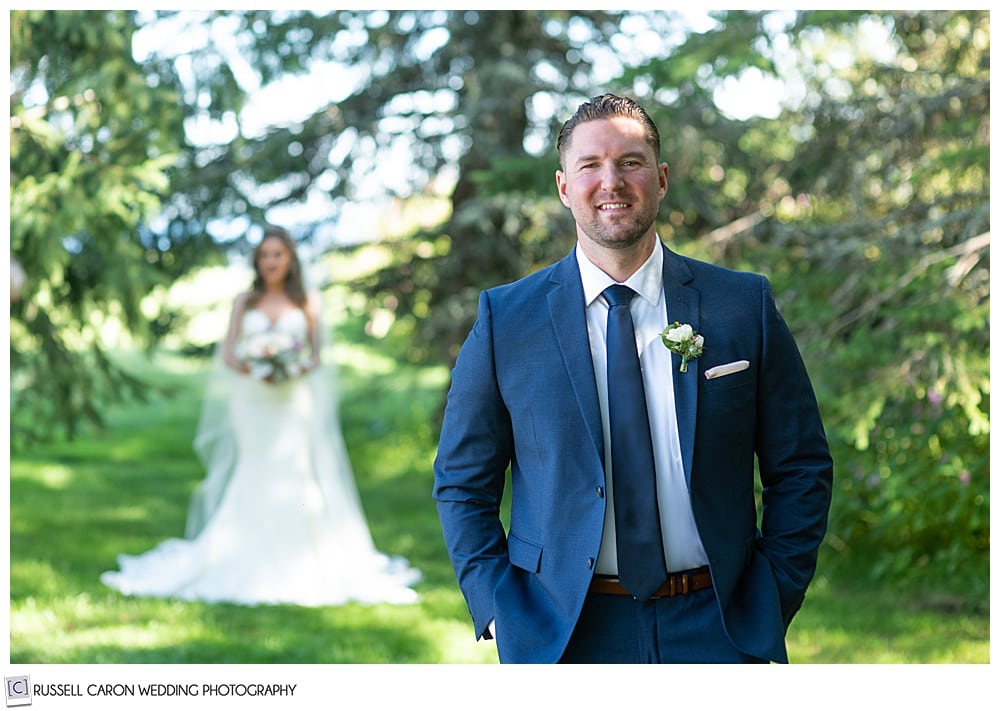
682,340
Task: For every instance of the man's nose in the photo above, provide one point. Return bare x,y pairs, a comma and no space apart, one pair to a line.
611,177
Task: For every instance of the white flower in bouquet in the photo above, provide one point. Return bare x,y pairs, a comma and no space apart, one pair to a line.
273,356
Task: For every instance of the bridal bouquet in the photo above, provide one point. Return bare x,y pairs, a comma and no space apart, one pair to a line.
273,356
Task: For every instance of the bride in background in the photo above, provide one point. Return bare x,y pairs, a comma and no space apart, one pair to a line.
278,518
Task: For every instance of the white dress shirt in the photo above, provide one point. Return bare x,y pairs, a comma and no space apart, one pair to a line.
681,543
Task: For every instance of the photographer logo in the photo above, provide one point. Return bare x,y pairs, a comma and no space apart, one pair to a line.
18,690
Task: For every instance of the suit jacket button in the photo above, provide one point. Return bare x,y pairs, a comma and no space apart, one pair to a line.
600,492
590,563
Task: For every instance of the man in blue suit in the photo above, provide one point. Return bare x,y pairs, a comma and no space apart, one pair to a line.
537,390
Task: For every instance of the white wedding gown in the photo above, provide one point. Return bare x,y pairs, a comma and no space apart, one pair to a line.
280,522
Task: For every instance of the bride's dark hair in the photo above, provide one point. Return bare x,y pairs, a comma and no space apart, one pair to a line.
293,281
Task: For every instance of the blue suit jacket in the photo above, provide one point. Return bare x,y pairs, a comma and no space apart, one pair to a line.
524,397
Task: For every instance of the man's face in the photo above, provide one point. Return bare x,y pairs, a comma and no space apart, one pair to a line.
612,183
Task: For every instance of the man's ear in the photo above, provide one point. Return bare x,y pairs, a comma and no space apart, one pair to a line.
561,187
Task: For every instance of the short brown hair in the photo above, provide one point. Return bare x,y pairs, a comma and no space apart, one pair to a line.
607,106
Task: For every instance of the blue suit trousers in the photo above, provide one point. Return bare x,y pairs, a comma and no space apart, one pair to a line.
685,629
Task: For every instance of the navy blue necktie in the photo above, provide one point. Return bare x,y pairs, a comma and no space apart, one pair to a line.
641,567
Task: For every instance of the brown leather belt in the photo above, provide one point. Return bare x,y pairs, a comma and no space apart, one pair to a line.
677,584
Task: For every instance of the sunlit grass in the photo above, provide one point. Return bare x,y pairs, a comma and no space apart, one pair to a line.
847,623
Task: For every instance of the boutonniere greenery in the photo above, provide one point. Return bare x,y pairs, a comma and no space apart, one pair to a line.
681,339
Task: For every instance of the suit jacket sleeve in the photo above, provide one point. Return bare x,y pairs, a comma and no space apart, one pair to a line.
474,452
796,469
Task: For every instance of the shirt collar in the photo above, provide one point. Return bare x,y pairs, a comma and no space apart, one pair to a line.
647,281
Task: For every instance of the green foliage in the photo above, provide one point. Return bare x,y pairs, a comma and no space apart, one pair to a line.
435,291
879,253
91,144
504,221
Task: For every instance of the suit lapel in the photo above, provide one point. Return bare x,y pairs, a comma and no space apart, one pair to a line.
682,306
567,310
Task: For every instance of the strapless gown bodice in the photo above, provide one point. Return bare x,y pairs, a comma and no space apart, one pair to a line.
293,322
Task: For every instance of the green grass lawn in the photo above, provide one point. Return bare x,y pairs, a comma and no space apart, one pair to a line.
75,506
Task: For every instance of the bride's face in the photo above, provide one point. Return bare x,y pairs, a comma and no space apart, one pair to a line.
273,260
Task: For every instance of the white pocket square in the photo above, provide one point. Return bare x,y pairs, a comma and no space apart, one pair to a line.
727,369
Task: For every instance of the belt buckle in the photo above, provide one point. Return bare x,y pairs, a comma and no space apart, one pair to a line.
678,584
